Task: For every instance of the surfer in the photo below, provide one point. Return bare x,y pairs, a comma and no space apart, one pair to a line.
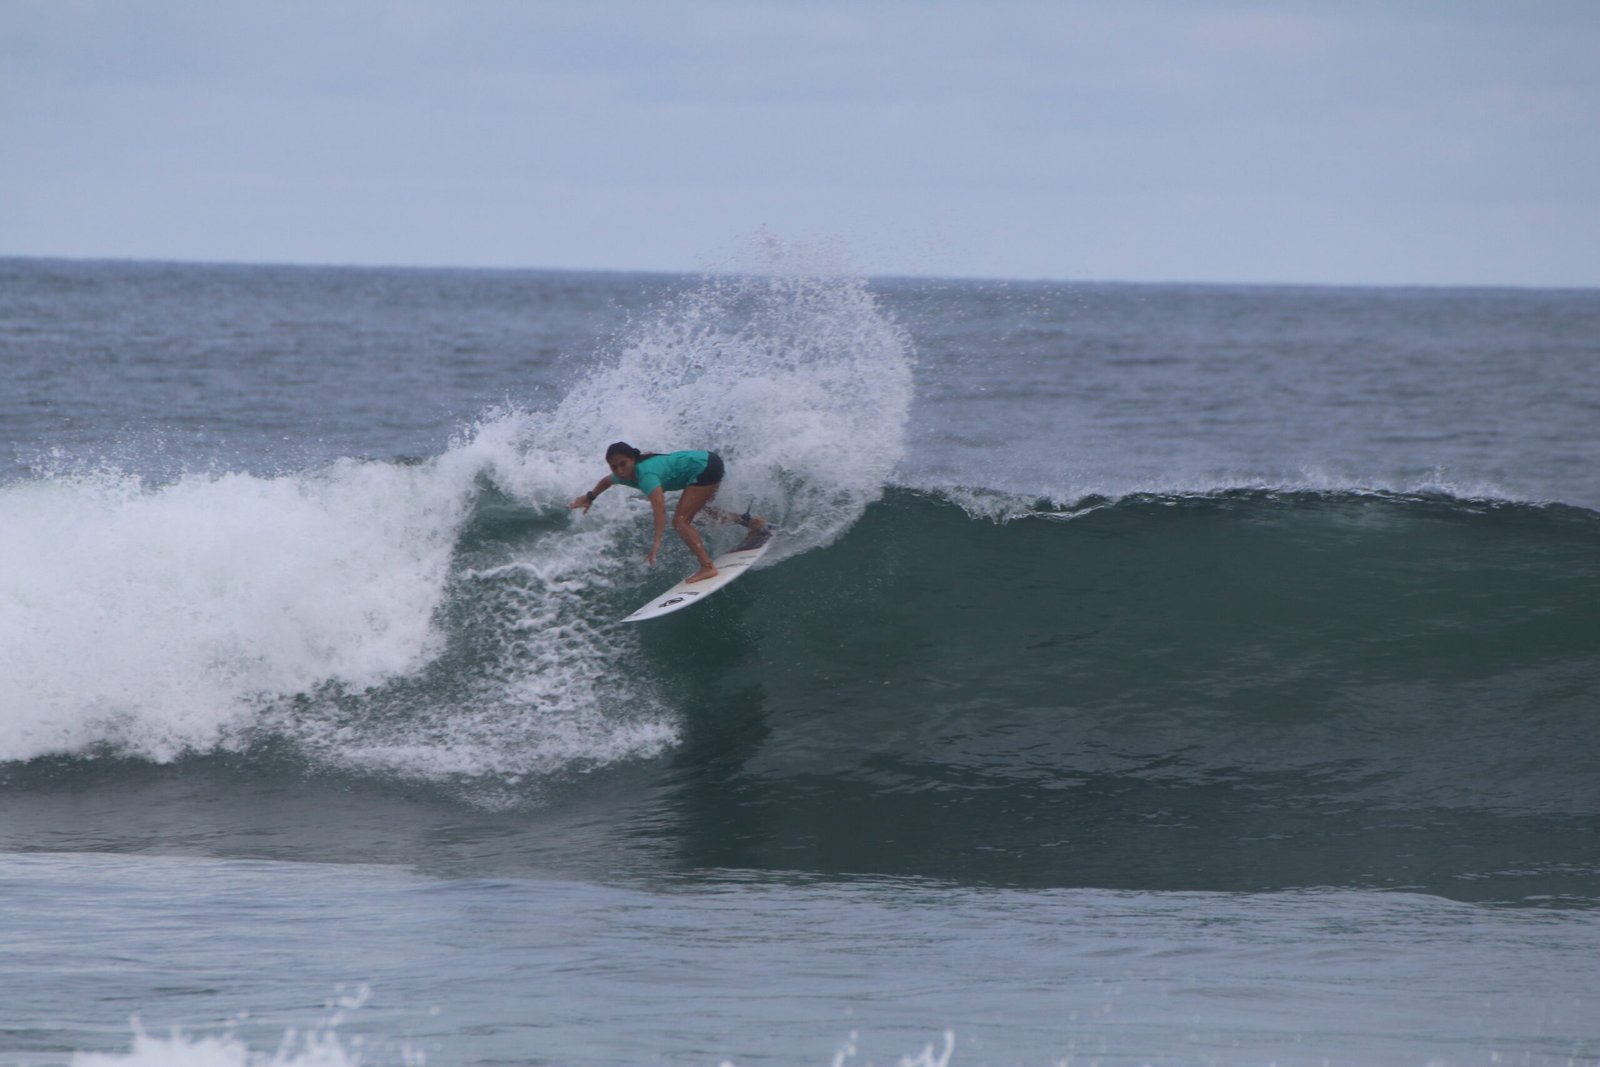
655,474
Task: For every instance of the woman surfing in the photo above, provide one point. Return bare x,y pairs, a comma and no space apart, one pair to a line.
655,474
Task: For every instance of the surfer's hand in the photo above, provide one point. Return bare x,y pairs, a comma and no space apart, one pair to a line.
650,557
581,502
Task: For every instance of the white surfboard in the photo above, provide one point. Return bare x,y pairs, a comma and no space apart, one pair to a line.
729,566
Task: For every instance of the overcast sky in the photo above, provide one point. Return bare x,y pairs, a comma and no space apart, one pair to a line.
1394,142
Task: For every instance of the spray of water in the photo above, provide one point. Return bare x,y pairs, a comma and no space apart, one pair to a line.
798,380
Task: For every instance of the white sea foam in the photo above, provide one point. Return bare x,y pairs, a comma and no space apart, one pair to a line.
322,1046
318,1046
205,613
178,1049
1086,494
154,618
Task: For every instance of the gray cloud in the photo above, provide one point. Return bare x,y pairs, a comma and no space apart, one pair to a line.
1415,142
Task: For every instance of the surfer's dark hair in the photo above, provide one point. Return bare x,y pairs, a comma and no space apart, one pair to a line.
623,448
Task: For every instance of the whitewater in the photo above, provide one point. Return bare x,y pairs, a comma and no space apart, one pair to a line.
1146,674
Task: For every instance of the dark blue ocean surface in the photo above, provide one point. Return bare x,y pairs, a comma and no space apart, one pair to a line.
1143,674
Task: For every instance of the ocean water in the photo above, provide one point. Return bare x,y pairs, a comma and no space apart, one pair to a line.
1142,675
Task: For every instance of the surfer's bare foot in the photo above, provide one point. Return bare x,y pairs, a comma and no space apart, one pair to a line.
702,574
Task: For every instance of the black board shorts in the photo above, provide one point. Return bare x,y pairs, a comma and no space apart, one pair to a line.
712,475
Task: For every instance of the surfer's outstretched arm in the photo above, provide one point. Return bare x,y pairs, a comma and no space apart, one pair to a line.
588,498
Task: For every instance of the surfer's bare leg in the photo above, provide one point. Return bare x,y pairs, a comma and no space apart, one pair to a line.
755,522
690,503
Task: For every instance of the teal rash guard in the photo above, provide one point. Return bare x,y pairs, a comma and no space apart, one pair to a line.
670,471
